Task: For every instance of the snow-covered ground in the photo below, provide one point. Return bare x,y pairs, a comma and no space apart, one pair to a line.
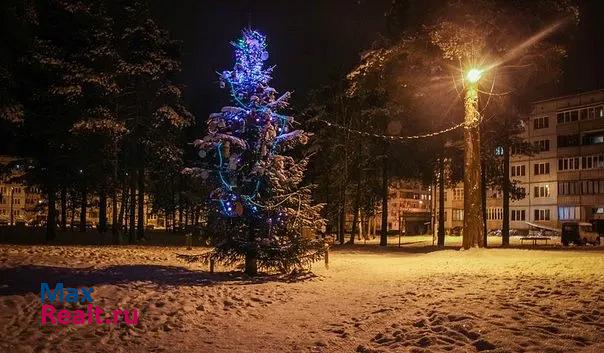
369,300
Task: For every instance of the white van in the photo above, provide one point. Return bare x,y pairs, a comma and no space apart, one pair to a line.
579,233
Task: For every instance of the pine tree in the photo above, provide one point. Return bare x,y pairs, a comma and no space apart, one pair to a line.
261,208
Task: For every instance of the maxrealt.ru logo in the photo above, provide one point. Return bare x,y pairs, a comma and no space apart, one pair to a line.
90,316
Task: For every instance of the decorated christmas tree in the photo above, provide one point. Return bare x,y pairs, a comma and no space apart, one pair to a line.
262,215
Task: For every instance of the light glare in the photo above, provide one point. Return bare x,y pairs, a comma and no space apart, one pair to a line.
474,75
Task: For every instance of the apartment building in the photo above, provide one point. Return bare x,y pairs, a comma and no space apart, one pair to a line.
454,211
19,203
408,210
564,180
408,207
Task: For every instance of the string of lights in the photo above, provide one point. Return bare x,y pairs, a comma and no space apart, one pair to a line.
393,138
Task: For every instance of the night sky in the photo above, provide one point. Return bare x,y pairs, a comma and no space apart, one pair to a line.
314,41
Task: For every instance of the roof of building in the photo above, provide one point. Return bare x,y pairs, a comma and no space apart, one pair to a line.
601,90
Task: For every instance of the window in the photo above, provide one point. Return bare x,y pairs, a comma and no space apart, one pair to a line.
581,187
572,187
541,123
592,187
541,168
568,140
457,215
593,113
541,191
567,213
495,213
542,145
517,215
518,149
568,164
582,114
542,215
592,162
518,170
593,138
458,194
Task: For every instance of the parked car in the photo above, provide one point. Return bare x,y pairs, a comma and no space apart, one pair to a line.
456,231
494,233
579,233
499,232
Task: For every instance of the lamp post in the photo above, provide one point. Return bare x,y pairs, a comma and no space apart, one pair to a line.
473,213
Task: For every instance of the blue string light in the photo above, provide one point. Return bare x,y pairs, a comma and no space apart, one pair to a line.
248,86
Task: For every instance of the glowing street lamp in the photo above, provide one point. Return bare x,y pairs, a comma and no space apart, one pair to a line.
473,212
474,75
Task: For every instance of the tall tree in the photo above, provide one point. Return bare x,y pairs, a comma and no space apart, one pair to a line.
263,208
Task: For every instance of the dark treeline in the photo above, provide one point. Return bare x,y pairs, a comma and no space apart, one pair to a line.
88,101
87,98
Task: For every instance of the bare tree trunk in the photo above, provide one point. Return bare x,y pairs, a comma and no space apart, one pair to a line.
115,231
441,203
51,217
251,262
102,228
73,209
83,209
115,223
483,205
384,230
123,207
140,233
472,221
342,219
355,210
353,228
180,218
505,227
174,220
364,226
63,208
132,220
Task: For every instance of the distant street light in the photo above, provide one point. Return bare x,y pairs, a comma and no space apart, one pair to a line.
473,212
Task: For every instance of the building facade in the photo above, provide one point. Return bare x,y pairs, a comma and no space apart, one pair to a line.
19,203
564,179
408,207
408,211
23,204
